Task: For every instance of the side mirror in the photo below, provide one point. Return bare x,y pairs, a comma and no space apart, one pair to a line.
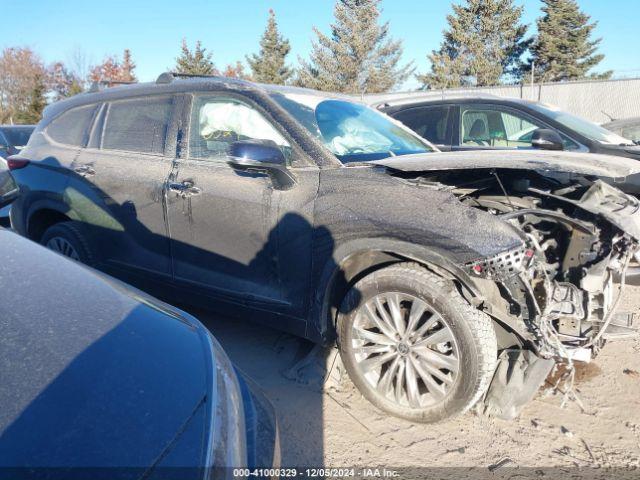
546,139
262,156
256,153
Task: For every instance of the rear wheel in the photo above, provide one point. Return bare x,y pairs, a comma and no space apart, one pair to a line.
413,346
68,239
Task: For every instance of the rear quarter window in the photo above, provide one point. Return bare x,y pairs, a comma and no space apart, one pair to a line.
138,125
72,126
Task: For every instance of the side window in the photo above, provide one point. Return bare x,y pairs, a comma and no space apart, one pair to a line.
482,127
428,122
218,122
490,127
72,127
138,125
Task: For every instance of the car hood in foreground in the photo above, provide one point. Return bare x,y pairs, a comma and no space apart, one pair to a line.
567,162
94,373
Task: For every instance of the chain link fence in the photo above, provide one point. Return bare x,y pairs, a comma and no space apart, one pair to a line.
597,100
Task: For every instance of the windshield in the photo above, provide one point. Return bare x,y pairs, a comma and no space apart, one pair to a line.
583,127
352,132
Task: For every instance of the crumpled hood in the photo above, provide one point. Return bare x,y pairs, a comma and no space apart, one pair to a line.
619,208
567,162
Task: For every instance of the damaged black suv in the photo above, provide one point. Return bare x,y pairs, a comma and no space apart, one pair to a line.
435,274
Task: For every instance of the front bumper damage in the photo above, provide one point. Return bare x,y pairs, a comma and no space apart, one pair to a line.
566,304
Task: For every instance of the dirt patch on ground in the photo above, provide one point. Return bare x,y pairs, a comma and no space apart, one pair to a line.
340,428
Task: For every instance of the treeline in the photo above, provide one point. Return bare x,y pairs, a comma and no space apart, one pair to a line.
485,43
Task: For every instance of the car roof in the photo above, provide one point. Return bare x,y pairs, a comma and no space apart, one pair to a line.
168,83
435,98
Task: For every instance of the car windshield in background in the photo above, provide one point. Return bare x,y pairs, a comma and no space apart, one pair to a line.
352,132
18,136
583,127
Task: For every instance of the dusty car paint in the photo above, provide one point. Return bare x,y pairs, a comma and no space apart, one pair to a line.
129,382
260,247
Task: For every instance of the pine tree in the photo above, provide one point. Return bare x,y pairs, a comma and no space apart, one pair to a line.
197,62
37,101
269,65
562,49
482,46
358,56
127,67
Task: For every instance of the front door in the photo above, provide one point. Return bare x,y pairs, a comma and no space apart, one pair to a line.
226,225
488,126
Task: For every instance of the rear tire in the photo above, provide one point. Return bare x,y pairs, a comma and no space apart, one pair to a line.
70,240
413,346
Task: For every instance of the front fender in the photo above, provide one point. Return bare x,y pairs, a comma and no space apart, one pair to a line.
332,271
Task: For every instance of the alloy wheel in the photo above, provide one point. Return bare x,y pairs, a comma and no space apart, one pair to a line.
405,350
64,247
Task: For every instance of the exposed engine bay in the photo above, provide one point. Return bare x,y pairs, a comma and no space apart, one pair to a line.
579,235
560,290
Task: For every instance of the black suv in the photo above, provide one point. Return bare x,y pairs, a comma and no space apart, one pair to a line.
487,122
323,217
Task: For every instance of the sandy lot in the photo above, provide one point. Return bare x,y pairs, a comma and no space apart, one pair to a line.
337,427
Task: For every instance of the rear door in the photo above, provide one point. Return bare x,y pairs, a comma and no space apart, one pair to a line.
431,122
119,182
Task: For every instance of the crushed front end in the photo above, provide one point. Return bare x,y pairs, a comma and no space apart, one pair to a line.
578,240
559,291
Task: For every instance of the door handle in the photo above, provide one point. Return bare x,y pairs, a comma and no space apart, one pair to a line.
184,189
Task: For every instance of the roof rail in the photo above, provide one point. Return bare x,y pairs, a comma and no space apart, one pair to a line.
96,86
168,77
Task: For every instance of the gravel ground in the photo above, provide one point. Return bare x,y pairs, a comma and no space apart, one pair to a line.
339,428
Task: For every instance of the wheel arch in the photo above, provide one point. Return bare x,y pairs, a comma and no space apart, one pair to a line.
43,214
354,260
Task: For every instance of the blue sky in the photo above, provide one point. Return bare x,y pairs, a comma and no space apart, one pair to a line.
153,29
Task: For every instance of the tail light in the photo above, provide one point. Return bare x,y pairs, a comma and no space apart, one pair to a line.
16,163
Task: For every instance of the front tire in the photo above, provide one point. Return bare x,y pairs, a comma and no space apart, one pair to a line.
413,346
70,240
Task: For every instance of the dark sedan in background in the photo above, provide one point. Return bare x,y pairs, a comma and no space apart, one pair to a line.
13,138
101,380
627,128
488,122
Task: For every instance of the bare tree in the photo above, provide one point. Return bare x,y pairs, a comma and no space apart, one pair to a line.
112,71
22,86
78,62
